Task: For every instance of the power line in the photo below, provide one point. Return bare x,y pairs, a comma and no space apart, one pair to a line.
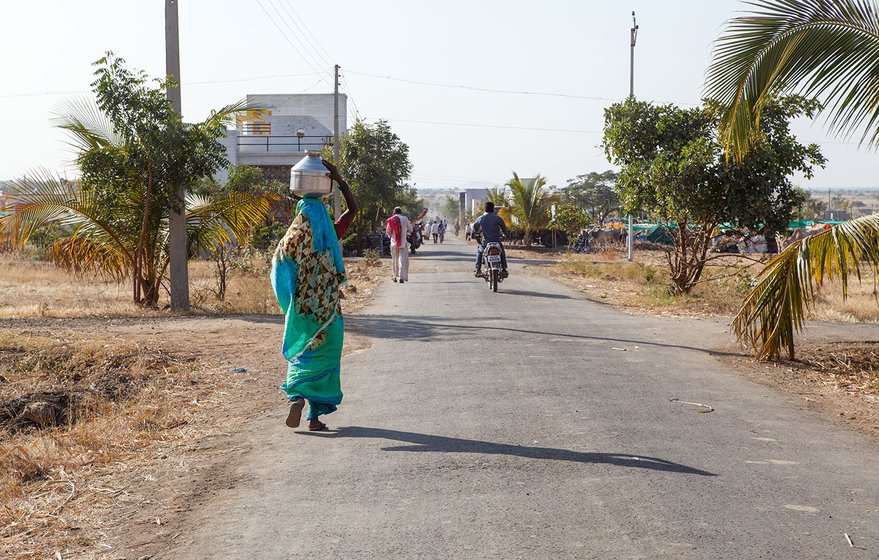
305,33
474,125
69,92
329,57
350,95
281,31
255,78
485,90
199,83
298,36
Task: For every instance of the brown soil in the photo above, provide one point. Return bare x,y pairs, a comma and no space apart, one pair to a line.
165,438
838,379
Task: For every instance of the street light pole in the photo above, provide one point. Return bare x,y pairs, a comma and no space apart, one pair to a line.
630,239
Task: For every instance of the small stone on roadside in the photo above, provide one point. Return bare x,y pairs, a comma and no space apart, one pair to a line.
238,370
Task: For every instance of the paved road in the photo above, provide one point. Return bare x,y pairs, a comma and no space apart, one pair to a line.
535,424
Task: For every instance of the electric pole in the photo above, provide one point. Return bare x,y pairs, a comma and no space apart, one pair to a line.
630,238
337,204
177,210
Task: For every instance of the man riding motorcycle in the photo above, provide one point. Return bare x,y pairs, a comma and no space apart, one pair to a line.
491,227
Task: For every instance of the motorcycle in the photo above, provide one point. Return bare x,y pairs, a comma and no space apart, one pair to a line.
491,265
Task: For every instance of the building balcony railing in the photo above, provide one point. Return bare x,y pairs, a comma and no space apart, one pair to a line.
258,143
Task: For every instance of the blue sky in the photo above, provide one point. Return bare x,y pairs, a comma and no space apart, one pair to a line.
457,136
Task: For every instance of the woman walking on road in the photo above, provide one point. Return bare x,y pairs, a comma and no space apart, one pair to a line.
307,272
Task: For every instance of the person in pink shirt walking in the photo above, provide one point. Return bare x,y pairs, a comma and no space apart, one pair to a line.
397,229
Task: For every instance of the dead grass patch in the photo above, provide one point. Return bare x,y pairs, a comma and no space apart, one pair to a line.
104,403
30,288
642,286
850,367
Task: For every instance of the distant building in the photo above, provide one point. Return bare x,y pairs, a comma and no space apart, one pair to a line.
835,215
278,138
473,199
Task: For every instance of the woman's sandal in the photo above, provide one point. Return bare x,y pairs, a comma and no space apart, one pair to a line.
319,427
295,415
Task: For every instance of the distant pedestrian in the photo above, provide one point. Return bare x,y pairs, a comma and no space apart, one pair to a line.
468,231
442,231
397,229
434,230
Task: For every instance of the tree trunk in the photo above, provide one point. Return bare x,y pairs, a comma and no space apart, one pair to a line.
143,290
687,260
222,271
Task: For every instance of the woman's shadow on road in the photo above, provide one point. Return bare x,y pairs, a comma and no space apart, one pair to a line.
443,444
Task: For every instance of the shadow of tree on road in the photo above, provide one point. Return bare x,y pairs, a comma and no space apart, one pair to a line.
443,444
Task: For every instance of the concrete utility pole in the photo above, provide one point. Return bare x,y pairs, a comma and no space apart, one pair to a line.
630,238
337,204
177,210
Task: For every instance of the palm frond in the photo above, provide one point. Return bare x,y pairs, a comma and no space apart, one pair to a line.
87,124
529,198
827,50
497,196
213,223
775,309
230,113
90,253
42,198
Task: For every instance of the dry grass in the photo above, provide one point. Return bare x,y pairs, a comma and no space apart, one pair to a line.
132,398
850,367
861,305
30,288
125,403
643,286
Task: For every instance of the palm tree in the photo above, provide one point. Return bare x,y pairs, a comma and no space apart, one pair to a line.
530,203
775,309
497,196
117,226
817,48
106,244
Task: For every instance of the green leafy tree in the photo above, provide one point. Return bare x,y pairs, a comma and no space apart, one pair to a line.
816,48
375,162
673,167
132,149
570,218
594,193
530,203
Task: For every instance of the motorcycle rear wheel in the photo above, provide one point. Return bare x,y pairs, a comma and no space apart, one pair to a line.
494,279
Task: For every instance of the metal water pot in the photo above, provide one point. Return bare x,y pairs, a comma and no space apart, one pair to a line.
309,177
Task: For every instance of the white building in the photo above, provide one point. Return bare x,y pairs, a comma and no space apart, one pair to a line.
473,201
277,138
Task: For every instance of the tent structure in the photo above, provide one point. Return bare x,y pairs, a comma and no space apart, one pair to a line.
660,234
